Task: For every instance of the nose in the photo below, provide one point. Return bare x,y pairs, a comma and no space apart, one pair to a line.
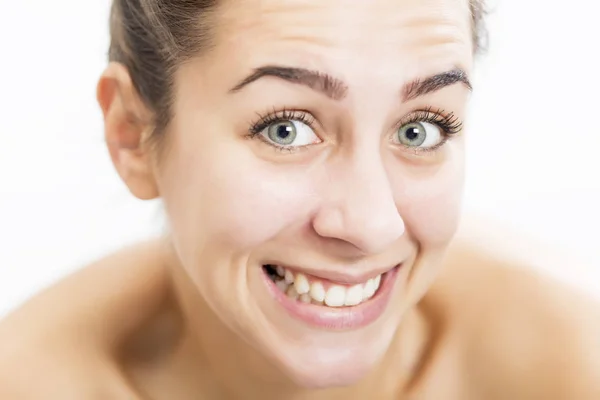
359,208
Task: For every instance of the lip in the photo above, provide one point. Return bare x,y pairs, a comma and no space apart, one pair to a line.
338,318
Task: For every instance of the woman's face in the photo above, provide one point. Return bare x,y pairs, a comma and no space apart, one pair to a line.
323,137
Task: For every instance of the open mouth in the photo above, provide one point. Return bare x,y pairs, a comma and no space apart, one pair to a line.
312,290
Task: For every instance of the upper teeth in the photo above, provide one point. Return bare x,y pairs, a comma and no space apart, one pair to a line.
299,286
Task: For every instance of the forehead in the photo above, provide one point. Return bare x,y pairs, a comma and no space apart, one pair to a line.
380,36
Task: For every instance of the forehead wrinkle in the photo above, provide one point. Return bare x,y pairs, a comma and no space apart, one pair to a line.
433,41
420,34
278,25
269,14
442,48
435,25
315,22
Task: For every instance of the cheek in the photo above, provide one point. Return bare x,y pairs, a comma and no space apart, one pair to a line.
237,204
431,205
258,204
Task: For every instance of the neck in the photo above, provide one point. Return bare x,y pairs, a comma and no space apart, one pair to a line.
230,368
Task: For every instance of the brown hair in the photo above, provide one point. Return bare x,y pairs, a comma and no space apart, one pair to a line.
152,38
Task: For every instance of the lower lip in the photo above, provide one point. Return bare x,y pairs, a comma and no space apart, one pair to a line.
338,318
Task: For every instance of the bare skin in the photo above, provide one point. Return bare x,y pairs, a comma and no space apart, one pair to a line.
328,138
124,338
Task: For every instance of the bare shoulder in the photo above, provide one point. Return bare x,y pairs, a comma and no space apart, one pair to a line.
526,335
62,340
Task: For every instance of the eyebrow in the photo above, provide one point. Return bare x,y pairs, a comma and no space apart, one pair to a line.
336,89
421,87
331,87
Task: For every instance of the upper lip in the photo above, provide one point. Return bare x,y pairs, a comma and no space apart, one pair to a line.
344,278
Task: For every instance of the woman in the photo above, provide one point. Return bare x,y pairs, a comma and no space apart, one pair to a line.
309,155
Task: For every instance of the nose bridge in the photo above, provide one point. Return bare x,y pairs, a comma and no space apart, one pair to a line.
359,205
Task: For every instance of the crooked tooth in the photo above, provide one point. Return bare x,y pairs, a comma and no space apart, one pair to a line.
292,293
317,292
282,285
289,277
301,284
354,295
280,271
335,297
369,289
305,298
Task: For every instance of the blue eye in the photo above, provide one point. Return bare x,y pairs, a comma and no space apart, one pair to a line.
290,133
422,135
282,133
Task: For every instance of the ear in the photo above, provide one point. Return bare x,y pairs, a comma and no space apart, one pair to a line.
127,123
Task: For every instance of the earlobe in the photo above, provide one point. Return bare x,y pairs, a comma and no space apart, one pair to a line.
126,125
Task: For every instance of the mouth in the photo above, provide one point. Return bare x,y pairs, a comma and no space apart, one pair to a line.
328,304
307,289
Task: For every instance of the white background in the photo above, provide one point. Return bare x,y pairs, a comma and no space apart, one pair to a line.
533,151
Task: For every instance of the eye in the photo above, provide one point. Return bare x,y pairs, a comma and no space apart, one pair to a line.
420,135
290,133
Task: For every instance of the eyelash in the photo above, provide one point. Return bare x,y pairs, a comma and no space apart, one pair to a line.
264,121
276,116
448,123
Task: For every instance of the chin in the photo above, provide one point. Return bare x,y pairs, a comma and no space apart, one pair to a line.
328,370
319,379
320,360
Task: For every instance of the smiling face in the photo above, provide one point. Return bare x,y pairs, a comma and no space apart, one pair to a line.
324,138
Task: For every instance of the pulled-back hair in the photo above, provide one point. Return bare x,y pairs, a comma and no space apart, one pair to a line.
152,38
